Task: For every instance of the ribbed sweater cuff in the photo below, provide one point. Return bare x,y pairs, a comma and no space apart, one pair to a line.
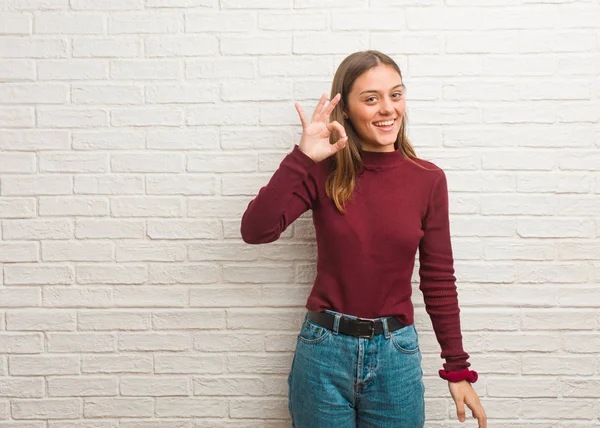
464,374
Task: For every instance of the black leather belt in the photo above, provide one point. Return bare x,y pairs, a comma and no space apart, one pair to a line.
360,327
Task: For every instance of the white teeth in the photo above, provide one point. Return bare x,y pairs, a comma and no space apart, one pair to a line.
389,122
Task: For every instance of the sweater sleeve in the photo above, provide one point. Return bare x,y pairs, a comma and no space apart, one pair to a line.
437,283
290,192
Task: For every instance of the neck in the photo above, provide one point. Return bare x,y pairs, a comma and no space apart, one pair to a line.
376,160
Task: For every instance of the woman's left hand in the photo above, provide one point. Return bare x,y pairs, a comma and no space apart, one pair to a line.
463,393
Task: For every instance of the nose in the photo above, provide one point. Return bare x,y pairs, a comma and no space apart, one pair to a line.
386,106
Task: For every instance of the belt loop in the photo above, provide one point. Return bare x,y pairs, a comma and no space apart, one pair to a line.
336,323
386,331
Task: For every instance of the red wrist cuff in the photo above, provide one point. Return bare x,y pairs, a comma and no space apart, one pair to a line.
464,374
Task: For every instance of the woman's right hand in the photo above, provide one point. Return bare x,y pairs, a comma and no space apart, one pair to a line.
315,134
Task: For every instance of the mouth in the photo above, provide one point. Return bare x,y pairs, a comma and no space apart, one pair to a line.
385,125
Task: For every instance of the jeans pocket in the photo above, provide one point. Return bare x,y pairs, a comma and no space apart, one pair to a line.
312,333
406,339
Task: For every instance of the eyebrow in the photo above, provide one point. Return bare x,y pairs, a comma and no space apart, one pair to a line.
373,90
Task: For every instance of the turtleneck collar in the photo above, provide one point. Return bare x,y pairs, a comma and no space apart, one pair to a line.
381,160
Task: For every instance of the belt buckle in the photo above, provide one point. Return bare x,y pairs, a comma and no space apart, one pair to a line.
371,327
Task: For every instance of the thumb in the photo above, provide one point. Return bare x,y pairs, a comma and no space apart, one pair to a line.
460,410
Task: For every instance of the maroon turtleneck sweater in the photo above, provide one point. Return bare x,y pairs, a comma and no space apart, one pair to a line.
366,256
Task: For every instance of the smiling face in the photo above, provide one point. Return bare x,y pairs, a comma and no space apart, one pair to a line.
375,106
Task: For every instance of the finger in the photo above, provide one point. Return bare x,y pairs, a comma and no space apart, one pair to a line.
478,412
303,118
335,125
327,111
319,109
340,144
460,410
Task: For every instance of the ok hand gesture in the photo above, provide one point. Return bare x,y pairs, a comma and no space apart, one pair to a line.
315,134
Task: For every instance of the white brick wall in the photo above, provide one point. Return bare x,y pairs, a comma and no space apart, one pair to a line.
133,134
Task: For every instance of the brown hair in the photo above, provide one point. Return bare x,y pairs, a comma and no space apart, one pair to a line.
348,161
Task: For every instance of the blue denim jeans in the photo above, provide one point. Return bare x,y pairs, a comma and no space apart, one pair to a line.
342,381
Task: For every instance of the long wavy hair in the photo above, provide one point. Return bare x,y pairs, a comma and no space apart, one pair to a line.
348,161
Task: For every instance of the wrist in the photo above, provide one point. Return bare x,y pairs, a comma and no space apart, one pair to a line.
460,375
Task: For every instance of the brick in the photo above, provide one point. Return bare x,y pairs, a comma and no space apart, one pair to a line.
183,229
112,229
22,388
72,118
330,43
21,343
222,115
24,274
77,251
17,70
79,342
189,364
183,139
190,407
70,206
48,320
153,342
374,19
107,94
148,162
104,5
219,68
145,69
178,46
147,116
15,24
157,386
219,296
151,206
113,320
37,4
17,163
73,162
105,364
17,117
106,47
256,90
188,319
111,274
294,66
257,45
123,139
39,184
15,297
221,162
252,138
18,47
43,365
150,252
68,23
69,297
109,184
132,297
127,23
82,386
72,69
183,274
47,408
118,407
220,22
196,184
185,93
19,252
37,229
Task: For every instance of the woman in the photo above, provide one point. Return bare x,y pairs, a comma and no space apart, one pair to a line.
357,361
